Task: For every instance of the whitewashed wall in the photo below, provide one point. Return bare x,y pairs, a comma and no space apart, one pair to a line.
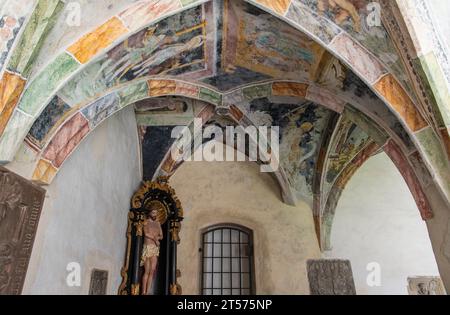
233,192
377,220
85,212
441,11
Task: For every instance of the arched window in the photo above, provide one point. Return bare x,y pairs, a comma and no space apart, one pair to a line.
227,260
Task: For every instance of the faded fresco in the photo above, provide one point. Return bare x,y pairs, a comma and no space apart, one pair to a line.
229,44
232,62
156,142
12,17
226,48
258,42
165,112
354,16
53,113
301,130
175,46
348,141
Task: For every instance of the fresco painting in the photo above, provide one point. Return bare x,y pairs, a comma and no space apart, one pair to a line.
244,39
301,130
175,46
156,142
312,21
355,17
237,76
101,109
53,113
240,49
34,34
346,144
234,63
302,139
164,112
66,140
11,87
12,17
252,35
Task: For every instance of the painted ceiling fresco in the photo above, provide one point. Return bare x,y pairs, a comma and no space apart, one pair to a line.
195,44
12,18
354,16
251,46
349,141
254,45
175,46
223,44
301,127
301,123
231,63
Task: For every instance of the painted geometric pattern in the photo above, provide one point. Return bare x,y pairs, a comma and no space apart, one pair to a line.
235,56
226,47
183,39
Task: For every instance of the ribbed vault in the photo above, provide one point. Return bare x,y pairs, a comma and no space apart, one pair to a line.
337,87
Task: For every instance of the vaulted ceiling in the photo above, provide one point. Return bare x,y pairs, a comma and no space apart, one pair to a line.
237,63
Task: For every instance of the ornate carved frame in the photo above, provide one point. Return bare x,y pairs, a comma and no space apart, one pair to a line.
151,191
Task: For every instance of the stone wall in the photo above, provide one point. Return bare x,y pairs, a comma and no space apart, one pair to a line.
378,221
233,192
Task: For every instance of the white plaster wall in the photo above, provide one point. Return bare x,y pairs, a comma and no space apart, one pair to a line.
377,220
85,212
233,192
441,11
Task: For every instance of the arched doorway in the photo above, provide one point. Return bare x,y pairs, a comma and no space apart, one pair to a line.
323,79
378,228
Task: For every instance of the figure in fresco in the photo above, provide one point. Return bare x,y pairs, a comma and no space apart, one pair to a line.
152,51
149,259
261,36
343,10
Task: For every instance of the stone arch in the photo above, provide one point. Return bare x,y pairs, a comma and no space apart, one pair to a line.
169,165
88,116
73,129
331,36
339,42
402,164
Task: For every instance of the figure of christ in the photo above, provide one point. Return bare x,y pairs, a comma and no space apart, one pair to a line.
149,259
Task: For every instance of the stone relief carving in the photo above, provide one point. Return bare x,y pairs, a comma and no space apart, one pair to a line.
20,208
425,286
330,277
99,282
